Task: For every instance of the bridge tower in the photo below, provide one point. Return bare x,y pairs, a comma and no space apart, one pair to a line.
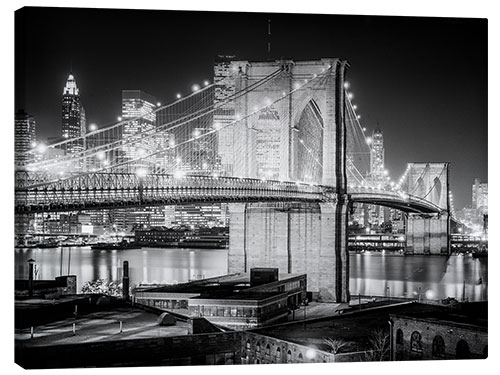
294,237
429,233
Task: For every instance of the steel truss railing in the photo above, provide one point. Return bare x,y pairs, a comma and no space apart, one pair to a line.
115,190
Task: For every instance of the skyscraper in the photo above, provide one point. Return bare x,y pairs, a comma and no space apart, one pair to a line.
138,109
25,127
377,158
480,196
73,116
224,69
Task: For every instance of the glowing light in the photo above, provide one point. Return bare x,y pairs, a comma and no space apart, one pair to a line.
158,104
179,174
369,140
196,133
204,165
215,175
358,117
347,85
206,83
92,127
355,106
171,143
141,152
429,294
283,93
195,87
101,155
65,135
41,148
178,96
364,129
350,96
268,101
217,125
33,144
141,172
386,172
296,86
105,163
237,117
178,159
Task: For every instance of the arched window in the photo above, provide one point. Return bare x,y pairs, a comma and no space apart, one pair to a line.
268,351
399,345
289,356
257,348
462,351
416,350
248,345
399,337
300,357
278,354
438,347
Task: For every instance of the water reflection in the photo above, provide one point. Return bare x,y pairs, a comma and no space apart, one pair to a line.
374,274
433,277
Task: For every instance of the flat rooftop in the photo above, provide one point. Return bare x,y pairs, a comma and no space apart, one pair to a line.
466,314
227,284
354,327
99,326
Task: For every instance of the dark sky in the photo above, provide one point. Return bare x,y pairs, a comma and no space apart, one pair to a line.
423,80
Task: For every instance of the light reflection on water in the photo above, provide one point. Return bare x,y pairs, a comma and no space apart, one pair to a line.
370,273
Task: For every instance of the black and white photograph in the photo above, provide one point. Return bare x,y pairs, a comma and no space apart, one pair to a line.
209,187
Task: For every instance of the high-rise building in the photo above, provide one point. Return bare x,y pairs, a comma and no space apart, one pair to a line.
138,109
224,114
480,196
25,128
73,116
377,168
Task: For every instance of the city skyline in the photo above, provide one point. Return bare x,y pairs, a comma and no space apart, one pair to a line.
413,90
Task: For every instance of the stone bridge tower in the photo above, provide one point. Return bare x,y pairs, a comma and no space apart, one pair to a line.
294,237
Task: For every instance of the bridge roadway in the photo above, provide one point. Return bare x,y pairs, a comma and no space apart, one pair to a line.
126,190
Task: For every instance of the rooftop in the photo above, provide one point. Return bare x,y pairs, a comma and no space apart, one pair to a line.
100,325
355,327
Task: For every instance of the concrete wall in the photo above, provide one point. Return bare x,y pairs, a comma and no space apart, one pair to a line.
427,234
296,238
476,338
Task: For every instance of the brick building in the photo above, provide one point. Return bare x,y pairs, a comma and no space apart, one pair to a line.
445,333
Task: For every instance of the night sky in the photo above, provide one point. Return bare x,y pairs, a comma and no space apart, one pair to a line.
422,80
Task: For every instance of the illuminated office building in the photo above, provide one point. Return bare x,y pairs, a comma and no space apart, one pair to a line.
24,136
138,112
73,116
377,168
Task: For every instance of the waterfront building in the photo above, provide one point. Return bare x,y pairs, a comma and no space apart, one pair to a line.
233,301
24,137
73,116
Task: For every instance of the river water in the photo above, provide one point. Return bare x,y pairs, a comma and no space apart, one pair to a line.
377,274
